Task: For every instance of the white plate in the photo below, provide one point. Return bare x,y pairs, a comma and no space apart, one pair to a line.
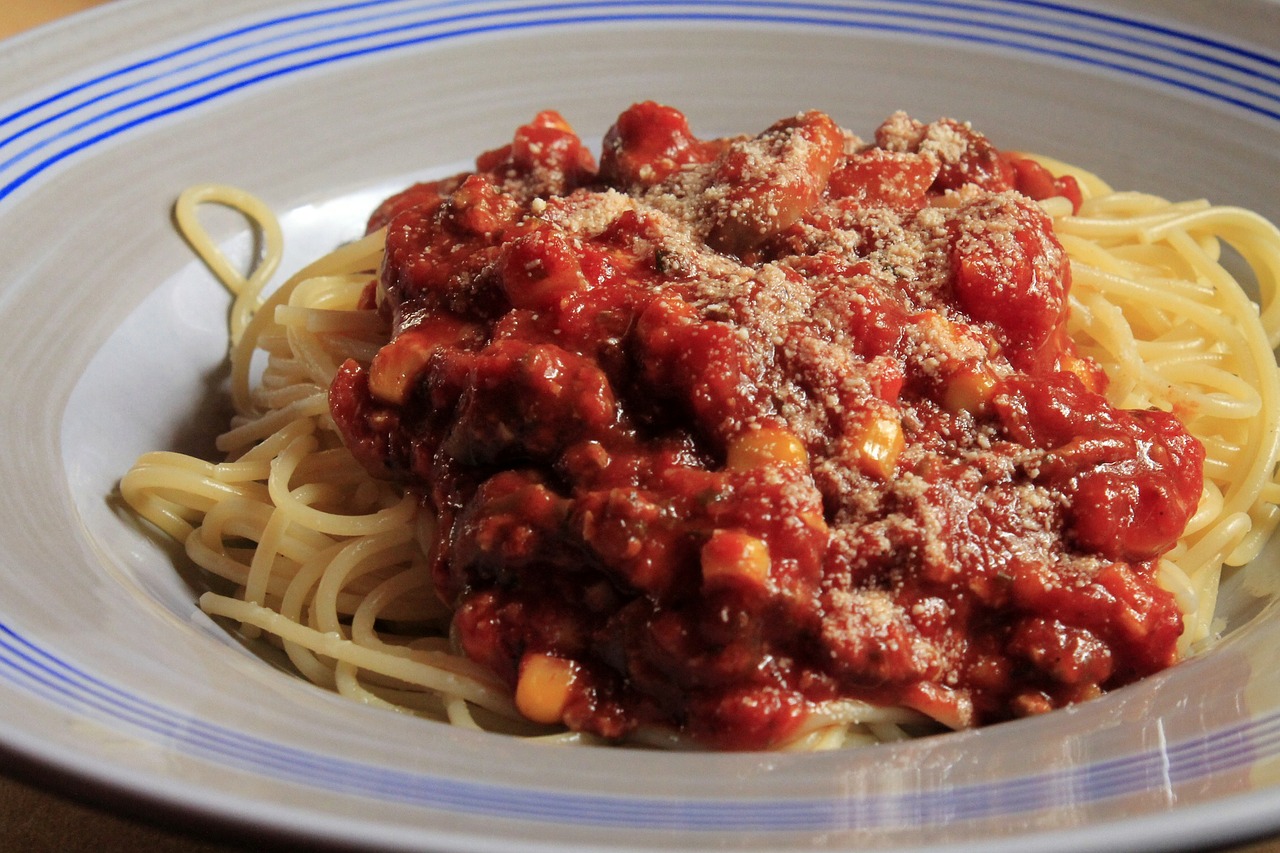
111,343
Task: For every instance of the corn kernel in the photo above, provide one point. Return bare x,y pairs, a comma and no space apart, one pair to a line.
815,521
761,448
542,690
876,447
969,391
1086,369
732,554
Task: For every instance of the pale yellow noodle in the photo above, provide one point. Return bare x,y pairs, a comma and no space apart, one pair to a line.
262,219
360,257
488,696
1153,303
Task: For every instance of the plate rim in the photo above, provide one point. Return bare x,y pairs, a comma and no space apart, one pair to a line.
77,29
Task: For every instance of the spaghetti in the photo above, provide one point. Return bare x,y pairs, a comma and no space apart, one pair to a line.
336,566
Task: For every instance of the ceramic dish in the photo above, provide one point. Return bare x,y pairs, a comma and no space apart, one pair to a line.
111,341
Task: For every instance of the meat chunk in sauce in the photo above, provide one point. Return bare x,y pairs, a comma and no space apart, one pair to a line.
725,429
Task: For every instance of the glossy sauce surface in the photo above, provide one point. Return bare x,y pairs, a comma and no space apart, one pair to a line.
721,430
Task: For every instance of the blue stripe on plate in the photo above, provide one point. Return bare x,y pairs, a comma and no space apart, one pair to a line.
1078,19
25,664
47,131
131,104
182,51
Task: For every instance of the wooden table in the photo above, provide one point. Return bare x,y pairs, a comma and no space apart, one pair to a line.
35,819
18,15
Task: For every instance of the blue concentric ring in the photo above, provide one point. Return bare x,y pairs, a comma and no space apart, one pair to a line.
25,664
43,133
55,128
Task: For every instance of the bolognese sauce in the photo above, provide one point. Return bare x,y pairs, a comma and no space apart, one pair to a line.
717,431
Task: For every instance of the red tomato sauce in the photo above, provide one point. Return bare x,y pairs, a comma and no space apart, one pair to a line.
720,430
